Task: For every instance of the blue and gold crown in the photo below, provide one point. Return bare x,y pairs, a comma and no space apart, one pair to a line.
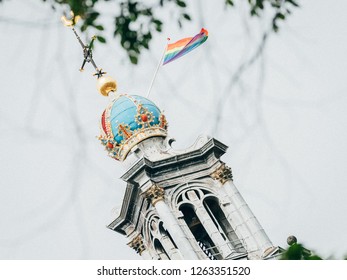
128,120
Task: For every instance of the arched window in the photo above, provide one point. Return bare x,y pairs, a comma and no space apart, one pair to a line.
213,208
164,233
159,249
159,238
203,239
206,220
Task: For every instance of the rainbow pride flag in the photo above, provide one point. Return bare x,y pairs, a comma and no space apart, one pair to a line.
184,46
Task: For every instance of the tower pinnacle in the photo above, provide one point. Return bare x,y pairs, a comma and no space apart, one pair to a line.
105,84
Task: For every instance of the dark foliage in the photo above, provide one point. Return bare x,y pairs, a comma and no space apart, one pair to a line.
136,21
297,252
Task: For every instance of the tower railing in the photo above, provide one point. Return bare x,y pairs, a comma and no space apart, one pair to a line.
215,252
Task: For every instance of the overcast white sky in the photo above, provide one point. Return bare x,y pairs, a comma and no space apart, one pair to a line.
284,122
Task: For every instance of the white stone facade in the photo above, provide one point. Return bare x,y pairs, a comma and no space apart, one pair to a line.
184,205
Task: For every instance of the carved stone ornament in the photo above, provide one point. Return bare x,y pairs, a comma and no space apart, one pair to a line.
137,244
222,174
155,194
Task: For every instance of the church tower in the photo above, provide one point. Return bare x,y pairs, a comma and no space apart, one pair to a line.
177,204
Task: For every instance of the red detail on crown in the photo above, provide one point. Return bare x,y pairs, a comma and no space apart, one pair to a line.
109,145
103,122
144,118
163,122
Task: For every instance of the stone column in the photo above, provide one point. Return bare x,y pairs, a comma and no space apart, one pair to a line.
238,224
212,230
173,252
250,220
156,195
224,175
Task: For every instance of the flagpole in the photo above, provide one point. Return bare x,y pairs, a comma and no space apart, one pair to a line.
157,70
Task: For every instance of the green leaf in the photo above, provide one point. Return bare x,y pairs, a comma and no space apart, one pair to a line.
181,3
157,22
99,27
229,2
101,39
84,27
92,16
187,17
293,3
280,16
133,59
259,4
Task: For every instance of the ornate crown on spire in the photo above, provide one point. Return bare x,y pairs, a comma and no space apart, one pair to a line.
128,120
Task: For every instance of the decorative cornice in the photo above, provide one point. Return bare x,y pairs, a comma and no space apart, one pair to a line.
222,174
137,244
125,218
211,146
155,194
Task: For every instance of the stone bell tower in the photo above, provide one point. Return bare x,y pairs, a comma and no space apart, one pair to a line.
177,204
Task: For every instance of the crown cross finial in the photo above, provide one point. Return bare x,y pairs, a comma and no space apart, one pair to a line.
99,73
106,84
88,54
87,50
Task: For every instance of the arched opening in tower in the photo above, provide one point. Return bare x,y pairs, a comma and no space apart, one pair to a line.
160,250
164,233
202,237
217,215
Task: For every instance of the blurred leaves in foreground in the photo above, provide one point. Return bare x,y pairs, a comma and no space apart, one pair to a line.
135,22
298,252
